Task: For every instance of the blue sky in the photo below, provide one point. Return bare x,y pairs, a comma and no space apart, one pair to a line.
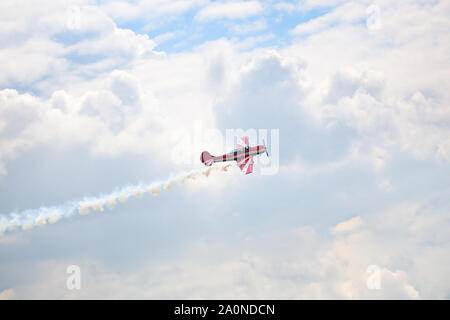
104,98
274,22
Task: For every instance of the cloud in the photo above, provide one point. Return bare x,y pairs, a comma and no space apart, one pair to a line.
126,88
148,10
386,185
348,13
347,226
164,37
288,263
34,59
7,294
396,284
229,10
385,105
31,218
120,45
250,42
307,5
359,111
327,93
31,121
250,27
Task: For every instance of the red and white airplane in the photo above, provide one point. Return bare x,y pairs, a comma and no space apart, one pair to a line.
243,155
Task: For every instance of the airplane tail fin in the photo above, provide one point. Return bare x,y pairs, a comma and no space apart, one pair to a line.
206,158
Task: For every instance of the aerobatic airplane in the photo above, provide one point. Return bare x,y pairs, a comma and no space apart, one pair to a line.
243,155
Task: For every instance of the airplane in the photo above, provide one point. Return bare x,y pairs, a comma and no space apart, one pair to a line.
243,155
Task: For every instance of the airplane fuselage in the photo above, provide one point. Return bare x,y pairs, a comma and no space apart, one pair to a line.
241,153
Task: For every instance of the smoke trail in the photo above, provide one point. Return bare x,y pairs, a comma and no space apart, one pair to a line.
31,218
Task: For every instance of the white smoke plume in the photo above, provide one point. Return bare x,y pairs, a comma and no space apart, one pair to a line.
31,218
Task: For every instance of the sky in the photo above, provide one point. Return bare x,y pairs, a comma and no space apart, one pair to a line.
102,99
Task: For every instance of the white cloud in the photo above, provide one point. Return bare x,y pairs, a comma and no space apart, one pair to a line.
34,59
116,112
396,284
250,42
7,294
334,90
229,10
375,87
149,10
164,37
347,226
106,119
122,11
109,91
250,27
307,5
386,186
348,13
288,263
121,42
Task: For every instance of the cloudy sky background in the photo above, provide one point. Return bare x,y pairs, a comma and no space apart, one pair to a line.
96,95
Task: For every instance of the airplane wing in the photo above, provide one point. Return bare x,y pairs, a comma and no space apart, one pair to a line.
242,142
246,165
